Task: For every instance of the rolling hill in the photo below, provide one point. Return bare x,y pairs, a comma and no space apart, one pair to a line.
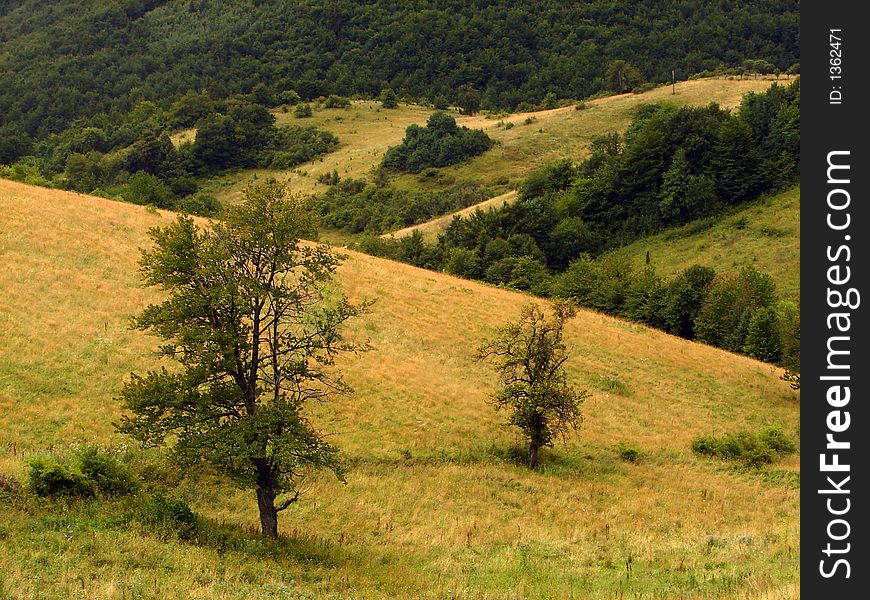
434,506
765,233
365,132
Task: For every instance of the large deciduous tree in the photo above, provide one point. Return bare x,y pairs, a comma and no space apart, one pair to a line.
529,356
253,319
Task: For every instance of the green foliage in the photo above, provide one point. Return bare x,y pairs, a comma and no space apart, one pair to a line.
762,338
389,99
48,477
190,108
248,318
168,517
671,167
201,204
352,206
302,111
289,97
108,475
550,101
729,309
439,144
87,472
263,49
294,145
144,188
441,103
468,98
14,144
26,170
627,452
686,295
334,101
554,177
529,357
752,450
621,76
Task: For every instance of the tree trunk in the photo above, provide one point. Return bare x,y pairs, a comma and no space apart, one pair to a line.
266,504
533,455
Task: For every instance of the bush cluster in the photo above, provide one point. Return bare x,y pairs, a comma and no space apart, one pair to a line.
750,449
439,144
86,473
352,206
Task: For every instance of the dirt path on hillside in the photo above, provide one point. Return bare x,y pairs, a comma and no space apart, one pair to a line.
431,229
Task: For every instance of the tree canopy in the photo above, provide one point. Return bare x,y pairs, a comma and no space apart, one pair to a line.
530,357
254,325
67,59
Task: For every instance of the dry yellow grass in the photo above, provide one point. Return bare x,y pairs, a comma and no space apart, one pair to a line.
432,508
563,132
365,132
566,132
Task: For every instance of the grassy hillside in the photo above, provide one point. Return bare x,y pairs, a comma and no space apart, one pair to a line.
765,234
434,507
365,132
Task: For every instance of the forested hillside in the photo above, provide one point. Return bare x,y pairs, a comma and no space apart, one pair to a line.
69,58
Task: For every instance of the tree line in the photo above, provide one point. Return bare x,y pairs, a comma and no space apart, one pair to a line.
67,60
132,157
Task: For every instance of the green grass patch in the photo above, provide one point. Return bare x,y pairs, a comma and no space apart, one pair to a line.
751,449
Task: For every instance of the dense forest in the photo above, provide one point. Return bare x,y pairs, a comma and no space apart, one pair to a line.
64,60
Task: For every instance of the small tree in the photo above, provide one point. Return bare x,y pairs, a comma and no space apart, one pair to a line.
389,98
529,356
302,111
468,99
622,76
249,319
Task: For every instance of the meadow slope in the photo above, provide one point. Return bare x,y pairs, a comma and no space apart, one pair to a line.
365,132
434,506
765,233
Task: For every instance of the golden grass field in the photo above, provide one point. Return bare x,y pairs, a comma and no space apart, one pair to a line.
365,132
765,234
433,507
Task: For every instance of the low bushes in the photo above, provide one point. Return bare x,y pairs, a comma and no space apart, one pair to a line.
87,473
751,449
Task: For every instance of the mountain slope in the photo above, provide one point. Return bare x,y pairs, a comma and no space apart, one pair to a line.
765,233
434,506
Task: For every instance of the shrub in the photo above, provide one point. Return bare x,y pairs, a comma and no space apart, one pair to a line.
289,97
145,188
643,87
776,439
167,516
204,205
628,453
302,111
48,478
106,473
753,450
581,106
334,101
389,99
439,144
440,103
